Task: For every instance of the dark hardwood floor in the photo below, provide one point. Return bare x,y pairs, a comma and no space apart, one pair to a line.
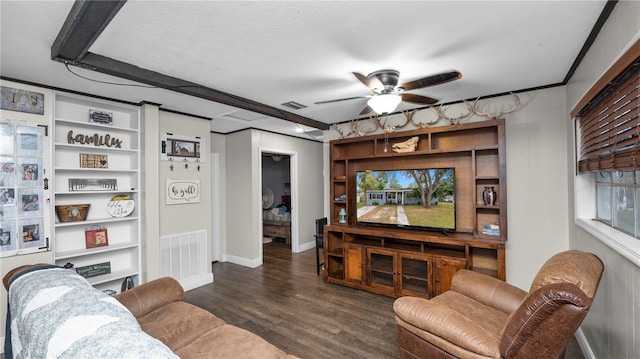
286,303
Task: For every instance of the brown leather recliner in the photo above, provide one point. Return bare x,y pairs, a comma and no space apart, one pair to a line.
483,317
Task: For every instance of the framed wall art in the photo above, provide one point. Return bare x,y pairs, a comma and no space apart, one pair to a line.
182,191
89,160
96,237
180,148
22,189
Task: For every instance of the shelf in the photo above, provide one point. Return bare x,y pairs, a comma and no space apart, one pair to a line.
112,276
415,278
78,193
95,221
71,114
484,206
85,148
95,170
96,125
336,252
91,251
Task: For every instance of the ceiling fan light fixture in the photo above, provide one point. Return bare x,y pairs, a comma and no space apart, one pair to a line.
385,103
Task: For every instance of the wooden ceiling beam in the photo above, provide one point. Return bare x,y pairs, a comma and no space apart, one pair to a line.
85,23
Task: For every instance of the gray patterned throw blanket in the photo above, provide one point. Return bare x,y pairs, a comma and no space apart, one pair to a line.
56,313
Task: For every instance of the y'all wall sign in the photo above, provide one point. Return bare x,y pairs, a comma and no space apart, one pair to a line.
182,191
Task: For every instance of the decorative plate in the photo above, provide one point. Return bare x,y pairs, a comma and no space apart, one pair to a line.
121,206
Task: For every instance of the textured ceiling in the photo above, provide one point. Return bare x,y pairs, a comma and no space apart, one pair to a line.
305,51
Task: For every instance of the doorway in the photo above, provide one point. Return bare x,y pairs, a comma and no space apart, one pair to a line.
278,212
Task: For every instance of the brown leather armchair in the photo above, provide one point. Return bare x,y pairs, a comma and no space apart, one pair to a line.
483,317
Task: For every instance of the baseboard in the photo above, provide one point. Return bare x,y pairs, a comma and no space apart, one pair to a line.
246,262
306,246
584,345
197,281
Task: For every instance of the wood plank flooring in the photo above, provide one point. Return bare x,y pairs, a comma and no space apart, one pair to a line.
287,304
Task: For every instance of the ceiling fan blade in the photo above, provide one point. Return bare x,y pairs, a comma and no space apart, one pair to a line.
417,99
338,100
370,82
432,80
367,109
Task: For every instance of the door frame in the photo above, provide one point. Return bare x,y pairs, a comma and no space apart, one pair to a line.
293,174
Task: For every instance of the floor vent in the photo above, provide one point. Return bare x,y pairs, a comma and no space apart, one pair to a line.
183,256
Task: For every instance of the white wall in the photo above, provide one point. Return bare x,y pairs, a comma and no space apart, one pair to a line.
307,200
536,184
163,219
612,328
243,192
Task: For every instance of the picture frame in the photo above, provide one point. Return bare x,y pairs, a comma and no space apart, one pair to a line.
96,237
31,232
93,184
28,172
29,141
182,191
180,148
29,202
7,172
101,117
89,160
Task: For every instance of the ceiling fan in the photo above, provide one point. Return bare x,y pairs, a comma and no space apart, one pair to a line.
387,95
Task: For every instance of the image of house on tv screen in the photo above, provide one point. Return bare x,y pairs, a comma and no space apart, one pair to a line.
417,198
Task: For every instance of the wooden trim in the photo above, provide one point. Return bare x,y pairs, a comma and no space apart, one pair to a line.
84,24
622,63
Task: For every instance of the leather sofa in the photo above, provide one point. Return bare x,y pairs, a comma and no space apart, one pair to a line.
189,331
482,317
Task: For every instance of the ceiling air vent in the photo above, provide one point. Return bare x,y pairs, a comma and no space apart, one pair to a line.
294,105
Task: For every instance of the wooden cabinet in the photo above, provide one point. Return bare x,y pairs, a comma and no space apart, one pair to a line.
415,271
97,159
399,261
381,271
390,266
444,270
354,264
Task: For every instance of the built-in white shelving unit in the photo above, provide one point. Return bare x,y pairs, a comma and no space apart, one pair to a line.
123,166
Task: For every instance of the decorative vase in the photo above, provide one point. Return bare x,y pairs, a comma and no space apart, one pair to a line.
489,196
342,217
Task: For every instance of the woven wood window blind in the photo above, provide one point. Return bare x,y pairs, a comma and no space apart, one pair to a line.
610,125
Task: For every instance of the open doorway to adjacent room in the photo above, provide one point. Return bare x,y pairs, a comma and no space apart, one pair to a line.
277,211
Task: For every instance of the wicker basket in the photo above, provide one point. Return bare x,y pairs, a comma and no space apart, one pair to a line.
72,212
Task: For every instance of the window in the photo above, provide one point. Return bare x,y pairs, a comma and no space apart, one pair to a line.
608,140
618,200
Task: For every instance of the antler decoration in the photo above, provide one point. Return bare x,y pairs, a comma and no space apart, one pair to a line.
391,128
454,120
409,116
355,128
337,128
496,115
380,123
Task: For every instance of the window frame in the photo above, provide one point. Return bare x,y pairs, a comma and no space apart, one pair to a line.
585,195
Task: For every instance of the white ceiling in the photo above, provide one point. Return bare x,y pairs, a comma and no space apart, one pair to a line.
305,51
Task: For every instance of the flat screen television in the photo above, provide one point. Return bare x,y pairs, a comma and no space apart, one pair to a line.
422,198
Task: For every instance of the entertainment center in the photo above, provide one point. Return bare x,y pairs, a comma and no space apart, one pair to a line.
398,260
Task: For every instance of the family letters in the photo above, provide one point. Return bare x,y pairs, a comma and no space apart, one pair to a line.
95,139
